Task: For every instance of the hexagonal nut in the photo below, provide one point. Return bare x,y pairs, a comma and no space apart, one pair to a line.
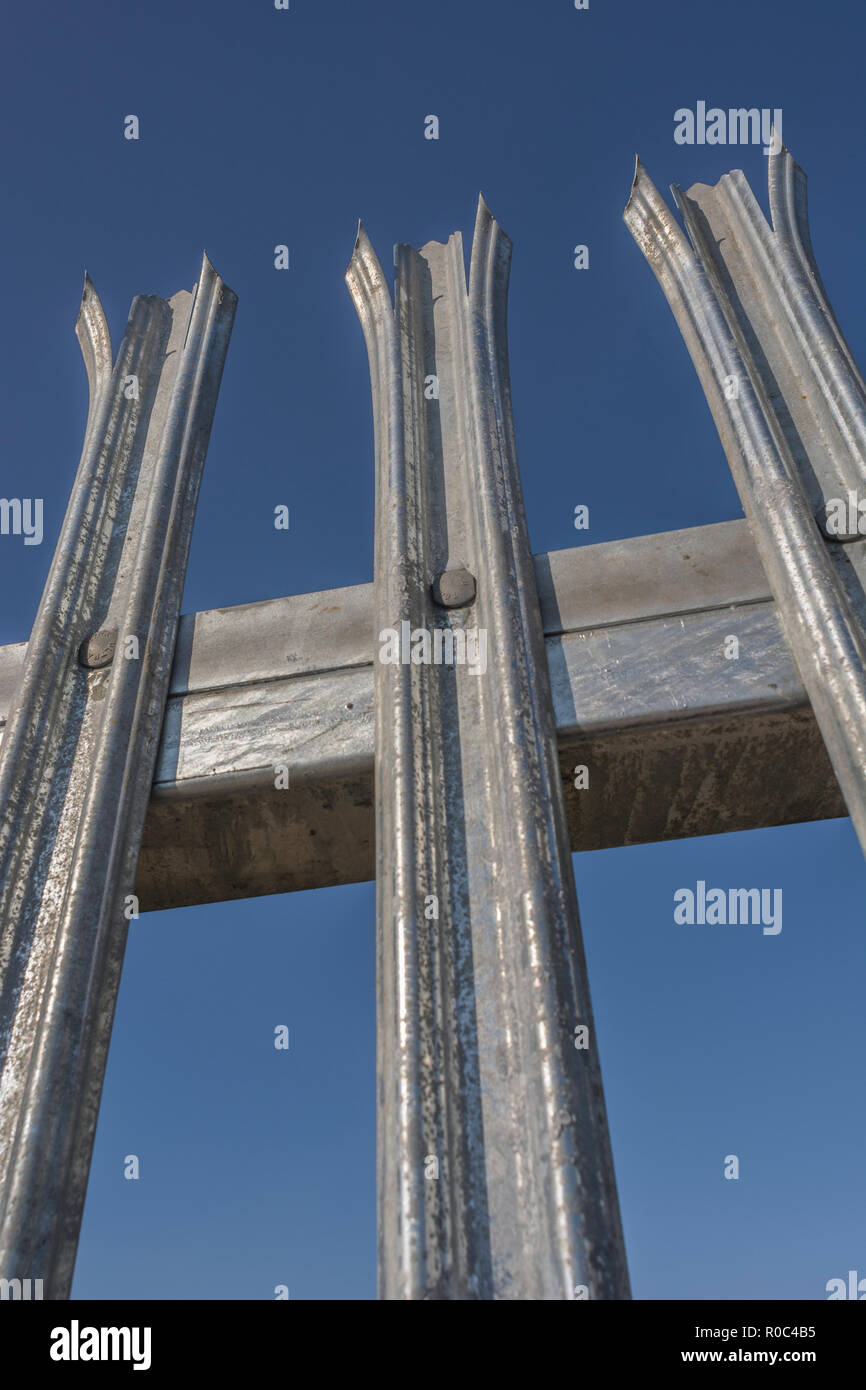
454,588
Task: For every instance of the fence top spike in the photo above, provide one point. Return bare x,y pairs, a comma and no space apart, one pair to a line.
363,246
207,268
639,176
89,294
92,332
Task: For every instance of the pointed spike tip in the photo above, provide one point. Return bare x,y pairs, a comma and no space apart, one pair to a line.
484,214
639,171
89,303
363,245
362,250
782,148
484,210
92,332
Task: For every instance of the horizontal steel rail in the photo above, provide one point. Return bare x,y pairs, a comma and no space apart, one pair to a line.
691,734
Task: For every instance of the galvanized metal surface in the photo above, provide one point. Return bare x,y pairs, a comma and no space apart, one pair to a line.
80,747
740,751
587,586
608,655
777,301
495,1170
702,744
754,318
641,693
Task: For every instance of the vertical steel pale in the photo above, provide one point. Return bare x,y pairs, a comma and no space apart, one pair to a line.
495,1168
790,408
80,746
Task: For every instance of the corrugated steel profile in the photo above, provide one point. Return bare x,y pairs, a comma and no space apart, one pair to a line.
79,751
788,403
495,1170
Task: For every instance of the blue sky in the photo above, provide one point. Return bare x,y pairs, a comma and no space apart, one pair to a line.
261,127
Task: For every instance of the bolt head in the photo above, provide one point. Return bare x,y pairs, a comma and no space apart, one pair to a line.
98,650
454,588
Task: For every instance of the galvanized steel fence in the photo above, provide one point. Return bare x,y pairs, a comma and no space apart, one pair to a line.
496,1177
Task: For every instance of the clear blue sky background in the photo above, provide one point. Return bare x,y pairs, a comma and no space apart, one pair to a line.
261,127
